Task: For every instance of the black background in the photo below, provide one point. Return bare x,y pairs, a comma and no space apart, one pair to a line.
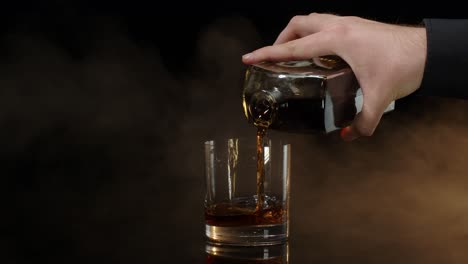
104,106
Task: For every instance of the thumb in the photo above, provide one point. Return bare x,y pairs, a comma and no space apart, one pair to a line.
364,124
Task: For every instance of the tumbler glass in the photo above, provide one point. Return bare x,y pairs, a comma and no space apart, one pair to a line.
247,191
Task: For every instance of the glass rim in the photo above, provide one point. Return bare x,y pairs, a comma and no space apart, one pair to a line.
274,140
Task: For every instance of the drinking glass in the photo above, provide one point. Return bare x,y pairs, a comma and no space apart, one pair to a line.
241,206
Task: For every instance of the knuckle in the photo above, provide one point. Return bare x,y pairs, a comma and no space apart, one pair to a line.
291,49
263,50
339,33
350,19
325,15
329,36
296,20
340,28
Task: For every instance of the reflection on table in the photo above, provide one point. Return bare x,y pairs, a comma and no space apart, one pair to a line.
276,254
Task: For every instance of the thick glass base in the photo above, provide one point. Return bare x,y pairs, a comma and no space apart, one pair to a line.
261,235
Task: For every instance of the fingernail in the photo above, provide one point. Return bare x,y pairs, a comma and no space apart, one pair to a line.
347,134
247,56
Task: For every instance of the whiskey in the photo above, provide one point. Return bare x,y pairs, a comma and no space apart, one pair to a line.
244,211
261,131
320,95
260,209
294,115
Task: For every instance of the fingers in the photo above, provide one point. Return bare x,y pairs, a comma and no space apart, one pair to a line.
364,123
304,37
301,26
295,29
318,44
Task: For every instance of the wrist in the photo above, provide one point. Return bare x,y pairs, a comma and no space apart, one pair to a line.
420,40
415,51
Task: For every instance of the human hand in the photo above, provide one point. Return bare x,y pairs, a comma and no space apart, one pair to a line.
388,60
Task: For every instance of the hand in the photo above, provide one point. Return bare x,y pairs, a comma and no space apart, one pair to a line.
388,60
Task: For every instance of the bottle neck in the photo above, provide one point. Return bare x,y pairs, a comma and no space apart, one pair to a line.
263,108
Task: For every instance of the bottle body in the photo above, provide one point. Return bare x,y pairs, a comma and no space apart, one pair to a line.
317,95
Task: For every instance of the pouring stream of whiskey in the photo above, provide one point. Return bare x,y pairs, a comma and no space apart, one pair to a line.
260,169
262,115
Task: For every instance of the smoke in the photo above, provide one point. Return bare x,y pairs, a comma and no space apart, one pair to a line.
399,196
102,157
